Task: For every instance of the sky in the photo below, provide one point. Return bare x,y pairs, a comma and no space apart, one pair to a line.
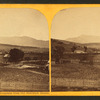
73,22
23,22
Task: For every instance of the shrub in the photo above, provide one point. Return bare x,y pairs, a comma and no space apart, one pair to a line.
16,55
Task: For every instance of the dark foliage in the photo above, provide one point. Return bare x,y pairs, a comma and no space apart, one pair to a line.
58,53
73,48
16,55
85,48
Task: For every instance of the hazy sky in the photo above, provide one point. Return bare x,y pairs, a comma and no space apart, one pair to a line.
73,22
23,22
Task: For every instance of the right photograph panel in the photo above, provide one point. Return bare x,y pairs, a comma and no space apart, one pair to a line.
75,50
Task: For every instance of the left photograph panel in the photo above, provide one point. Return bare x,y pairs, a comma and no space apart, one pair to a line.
24,50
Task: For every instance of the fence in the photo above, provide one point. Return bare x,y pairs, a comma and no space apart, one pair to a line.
64,82
19,86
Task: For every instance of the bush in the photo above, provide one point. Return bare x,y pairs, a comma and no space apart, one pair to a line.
16,55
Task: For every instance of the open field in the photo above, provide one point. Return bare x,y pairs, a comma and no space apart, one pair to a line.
14,79
29,74
75,76
77,71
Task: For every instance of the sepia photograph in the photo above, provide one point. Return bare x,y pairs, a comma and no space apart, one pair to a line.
24,50
75,50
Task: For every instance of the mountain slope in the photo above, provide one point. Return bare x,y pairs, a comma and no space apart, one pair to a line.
85,39
67,45
24,41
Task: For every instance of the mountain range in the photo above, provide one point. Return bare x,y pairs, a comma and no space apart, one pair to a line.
24,41
85,39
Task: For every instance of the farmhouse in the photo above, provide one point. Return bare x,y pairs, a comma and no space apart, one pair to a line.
79,51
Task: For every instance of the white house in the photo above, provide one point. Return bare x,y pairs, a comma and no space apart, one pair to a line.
79,51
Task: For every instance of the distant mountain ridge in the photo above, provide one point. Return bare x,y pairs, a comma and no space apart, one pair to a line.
24,41
85,39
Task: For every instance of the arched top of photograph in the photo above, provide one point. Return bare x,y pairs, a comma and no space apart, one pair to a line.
24,50
80,25
23,26
75,54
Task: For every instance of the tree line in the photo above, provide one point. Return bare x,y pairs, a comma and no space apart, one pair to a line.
59,50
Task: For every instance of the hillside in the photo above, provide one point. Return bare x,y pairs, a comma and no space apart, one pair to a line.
24,41
68,45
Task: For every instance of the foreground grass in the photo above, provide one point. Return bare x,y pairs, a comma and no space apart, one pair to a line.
22,75
23,80
76,71
54,88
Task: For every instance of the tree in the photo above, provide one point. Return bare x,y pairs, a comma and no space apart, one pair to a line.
16,55
58,51
85,49
73,48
